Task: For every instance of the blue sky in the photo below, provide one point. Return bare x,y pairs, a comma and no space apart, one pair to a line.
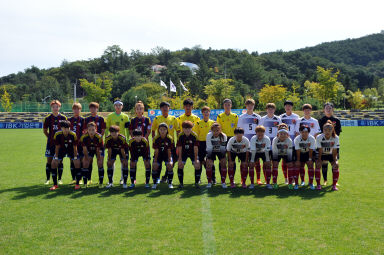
44,33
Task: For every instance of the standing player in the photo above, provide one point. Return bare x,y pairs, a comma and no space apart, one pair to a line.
282,149
202,129
305,145
50,127
77,126
216,147
163,146
291,119
120,119
249,121
116,144
313,124
92,145
271,121
65,146
188,147
328,115
188,115
139,147
327,145
140,122
260,149
238,146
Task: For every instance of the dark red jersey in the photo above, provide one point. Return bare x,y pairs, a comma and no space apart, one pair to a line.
143,123
52,123
99,122
187,143
66,142
138,148
91,143
163,144
77,125
118,144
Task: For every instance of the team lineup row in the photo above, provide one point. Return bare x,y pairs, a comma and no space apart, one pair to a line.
249,138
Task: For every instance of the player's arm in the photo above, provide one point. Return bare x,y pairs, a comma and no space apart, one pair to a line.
154,126
85,151
169,155
196,151
253,147
298,151
45,130
275,151
290,151
179,152
156,155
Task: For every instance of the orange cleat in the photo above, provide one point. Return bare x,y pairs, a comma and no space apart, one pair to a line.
54,187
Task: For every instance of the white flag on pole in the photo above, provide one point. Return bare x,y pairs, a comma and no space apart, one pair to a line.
172,86
183,87
162,84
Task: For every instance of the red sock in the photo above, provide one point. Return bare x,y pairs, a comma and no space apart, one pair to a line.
209,175
285,169
296,175
318,175
267,174
258,170
336,174
291,174
252,175
302,173
274,174
223,174
311,173
231,174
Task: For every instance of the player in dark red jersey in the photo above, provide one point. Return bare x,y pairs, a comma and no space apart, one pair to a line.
139,147
163,146
188,147
77,126
65,146
50,127
117,145
91,143
140,122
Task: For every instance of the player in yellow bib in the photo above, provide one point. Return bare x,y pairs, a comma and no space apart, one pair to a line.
188,115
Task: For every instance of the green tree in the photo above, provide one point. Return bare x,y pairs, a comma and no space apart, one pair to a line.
272,94
6,101
143,92
355,99
219,89
99,91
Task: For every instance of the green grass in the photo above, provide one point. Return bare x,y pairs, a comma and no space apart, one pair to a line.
35,220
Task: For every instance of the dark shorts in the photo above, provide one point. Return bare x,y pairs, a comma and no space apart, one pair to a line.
92,153
50,150
327,158
258,156
213,156
66,153
184,158
135,156
118,152
202,150
242,156
304,157
160,159
284,157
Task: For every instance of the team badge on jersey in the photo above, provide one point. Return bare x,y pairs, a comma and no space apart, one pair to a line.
170,126
275,123
232,125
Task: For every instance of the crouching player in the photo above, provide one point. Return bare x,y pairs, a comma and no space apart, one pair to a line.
188,147
117,145
238,146
92,145
139,147
65,146
327,146
282,149
163,146
260,149
216,147
305,144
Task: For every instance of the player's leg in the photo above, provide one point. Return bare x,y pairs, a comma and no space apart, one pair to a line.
335,174
290,169
231,169
180,171
198,169
49,153
60,169
110,170
275,167
311,172
318,165
54,165
292,175
100,166
77,168
284,167
223,169
209,165
155,172
169,167
147,164
267,165
85,169
73,172
244,173
124,163
133,171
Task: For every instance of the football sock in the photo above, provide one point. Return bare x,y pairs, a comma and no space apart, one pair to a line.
48,171
198,174
101,175
125,174
252,174
325,170
54,175
110,174
170,176
132,173
90,171
302,173
73,172
317,175
285,169
180,174
274,174
60,170
311,173
147,175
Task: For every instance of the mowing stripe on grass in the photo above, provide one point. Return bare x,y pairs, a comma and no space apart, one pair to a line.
207,228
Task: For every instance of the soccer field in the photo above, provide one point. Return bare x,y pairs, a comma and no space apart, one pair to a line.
35,220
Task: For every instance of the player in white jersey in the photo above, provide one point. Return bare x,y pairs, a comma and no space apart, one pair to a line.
260,149
291,120
249,120
327,145
270,121
305,145
238,146
282,149
307,120
216,147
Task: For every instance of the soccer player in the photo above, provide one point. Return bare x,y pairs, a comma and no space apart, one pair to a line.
120,119
305,145
139,147
77,126
327,145
270,121
216,147
188,115
101,127
65,146
260,149
92,145
50,127
291,119
282,149
202,129
116,144
313,124
140,122
238,146
188,147
328,115
163,146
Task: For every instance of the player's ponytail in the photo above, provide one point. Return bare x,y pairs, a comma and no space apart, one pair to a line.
330,124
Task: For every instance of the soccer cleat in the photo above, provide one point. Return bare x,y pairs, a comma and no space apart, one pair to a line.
252,186
163,179
197,186
60,182
275,186
147,185
214,182
73,182
311,186
318,187
154,186
209,185
269,186
158,181
259,182
325,183
244,185
46,182
290,186
121,181
224,186
100,185
81,182
89,182
233,185
170,186
296,187
54,187
286,181
109,185
335,188
181,186
125,186
132,186
302,183
77,186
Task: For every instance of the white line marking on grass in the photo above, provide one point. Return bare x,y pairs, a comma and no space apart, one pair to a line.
207,228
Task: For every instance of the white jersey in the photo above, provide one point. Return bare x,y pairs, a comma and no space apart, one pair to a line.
312,123
328,145
238,147
270,125
305,145
216,144
291,121
249,122
282,148
260,146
